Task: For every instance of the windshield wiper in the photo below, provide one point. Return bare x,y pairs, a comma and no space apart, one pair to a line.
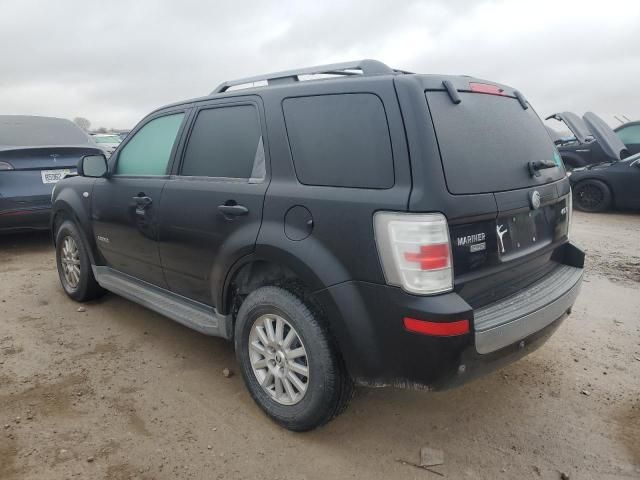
536,166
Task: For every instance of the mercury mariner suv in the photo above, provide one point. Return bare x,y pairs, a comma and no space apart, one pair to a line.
342,225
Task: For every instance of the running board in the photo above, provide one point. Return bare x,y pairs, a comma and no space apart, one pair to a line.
197,316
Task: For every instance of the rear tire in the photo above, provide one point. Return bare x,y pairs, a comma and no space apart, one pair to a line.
305,382
592,196
74,264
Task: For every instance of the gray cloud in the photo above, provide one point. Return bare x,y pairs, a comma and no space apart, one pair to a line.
114,62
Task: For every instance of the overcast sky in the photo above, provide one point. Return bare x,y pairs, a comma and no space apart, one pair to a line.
113,62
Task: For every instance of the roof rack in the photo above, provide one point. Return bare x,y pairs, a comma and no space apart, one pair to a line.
366,67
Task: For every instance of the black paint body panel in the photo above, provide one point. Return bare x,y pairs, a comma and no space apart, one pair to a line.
323,234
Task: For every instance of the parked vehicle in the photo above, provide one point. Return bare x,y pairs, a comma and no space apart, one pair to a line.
35,152
614,183
375,228
629,134
582,148
107,142
123,135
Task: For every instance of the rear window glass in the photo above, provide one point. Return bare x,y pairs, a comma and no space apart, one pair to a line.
487,141
27,131
340,140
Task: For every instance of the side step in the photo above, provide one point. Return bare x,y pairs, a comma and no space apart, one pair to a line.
197,316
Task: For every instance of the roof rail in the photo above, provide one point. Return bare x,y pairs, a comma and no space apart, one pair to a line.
367,67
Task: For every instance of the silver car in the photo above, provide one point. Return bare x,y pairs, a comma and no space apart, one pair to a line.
107,142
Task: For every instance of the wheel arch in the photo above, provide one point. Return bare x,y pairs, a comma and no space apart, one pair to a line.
593,177
256,270
576,183
66,208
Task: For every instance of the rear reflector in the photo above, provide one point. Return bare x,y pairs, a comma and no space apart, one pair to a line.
436,329
486,88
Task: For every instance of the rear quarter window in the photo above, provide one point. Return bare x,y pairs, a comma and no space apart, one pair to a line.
340,140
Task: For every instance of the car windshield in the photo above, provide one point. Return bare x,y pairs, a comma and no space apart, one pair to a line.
107,139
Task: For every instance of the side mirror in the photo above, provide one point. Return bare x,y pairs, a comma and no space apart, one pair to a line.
94,166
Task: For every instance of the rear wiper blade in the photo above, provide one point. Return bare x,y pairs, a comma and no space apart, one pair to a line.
452,91
536,166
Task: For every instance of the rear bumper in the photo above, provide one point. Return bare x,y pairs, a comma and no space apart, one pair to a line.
25,207
507,321
378,351
15,220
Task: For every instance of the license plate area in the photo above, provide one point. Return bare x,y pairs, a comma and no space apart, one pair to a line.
521,233
54,176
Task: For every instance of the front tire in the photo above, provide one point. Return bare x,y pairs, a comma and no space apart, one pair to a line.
592,196
74,265
289,361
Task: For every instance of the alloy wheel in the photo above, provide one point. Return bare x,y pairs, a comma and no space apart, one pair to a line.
70,262
279,359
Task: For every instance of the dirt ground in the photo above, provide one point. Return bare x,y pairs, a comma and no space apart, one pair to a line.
118,392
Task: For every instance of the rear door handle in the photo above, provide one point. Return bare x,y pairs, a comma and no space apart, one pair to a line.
142,202
233,210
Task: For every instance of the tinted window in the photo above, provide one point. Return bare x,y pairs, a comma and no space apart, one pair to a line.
340,140
630,135
149,150
225,142
487,141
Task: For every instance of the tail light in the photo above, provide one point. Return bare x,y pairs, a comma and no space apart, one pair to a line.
5,166
415,251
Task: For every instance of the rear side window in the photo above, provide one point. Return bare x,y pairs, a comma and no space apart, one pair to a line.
149,150
225,142
340,140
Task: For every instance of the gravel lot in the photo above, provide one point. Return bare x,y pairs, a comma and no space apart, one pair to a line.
117,392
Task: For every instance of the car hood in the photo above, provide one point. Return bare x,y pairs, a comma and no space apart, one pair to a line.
605,136
575,124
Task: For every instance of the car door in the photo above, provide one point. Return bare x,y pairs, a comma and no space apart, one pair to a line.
625,177
212,206
124,205
630,136
634,184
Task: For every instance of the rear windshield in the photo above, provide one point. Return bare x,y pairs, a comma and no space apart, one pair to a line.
25,131
487,141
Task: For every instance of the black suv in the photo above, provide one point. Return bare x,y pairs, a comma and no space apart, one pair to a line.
343,225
